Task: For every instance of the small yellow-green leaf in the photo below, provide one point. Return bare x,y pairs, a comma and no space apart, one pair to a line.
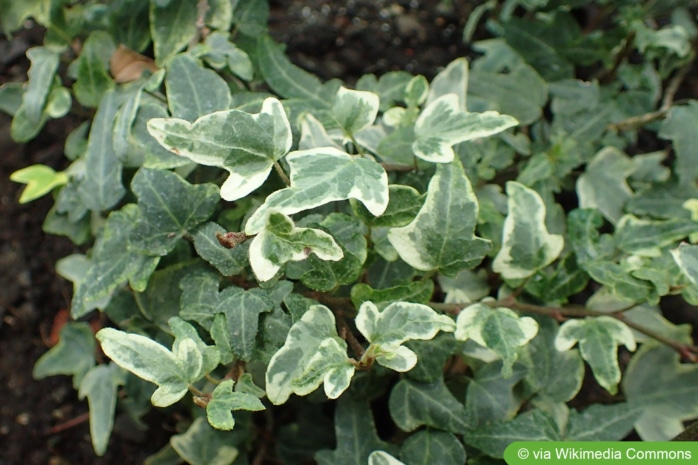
40,180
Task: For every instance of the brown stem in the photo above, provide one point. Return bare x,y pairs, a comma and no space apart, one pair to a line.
82,418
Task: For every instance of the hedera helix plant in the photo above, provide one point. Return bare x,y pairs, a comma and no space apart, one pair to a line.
410,247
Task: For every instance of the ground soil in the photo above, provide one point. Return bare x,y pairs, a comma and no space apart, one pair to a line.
40,419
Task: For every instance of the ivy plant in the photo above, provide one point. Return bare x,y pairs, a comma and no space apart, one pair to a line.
442,259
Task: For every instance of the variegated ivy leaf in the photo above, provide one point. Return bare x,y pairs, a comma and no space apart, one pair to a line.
442,124
314,134
379,457
452,80
297,362
244,144
527,245
399,322
441,236
281,241
354,109
598,339
223,400
498,329
172,370
686,256
323,175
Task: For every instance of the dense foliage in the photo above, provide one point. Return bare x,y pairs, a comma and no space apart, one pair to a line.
452,255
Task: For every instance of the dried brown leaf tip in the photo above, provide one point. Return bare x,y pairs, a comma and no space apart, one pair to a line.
127,65
230,240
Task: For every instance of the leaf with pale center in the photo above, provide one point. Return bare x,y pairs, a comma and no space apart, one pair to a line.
441,237
443,124
527,246
324,175
289,367
399,322
598,339
686,256
246,145
281,241
499,329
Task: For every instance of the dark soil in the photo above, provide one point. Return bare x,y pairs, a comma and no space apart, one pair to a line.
40,420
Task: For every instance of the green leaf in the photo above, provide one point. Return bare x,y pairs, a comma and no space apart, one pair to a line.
194,91
527,245
289,364
93,79
112,264
443,124
244,144
123,122
356,435
250,16
399,322
603,184
620,279
403,205
100,386
428,447
552,374
281,241
149,360
203,445
686,256
73,355
432,356
465,287
678,127
441,237
417,291
499,329
493,438
40,180
321,275
645,237
490,396
224,53
663,389
172,26
598,339
320,176
242,310
228,261
288,80
223,400
14,13
584,236
417,90
354,110
44,64
169,207
602,422
101,187
501,81
414,404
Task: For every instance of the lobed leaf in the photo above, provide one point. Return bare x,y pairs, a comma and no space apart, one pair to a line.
223,400
100,386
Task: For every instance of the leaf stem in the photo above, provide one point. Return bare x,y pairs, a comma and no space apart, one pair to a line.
281,173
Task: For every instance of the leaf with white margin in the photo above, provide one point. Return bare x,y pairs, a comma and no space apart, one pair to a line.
399,322
314,134
281,241
330,367
146,359
499,329
598,339
244,144
379,457
441,237
224,400
354,110
686,256
452,80
322,175
443,124
527,246
289,364
184,331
